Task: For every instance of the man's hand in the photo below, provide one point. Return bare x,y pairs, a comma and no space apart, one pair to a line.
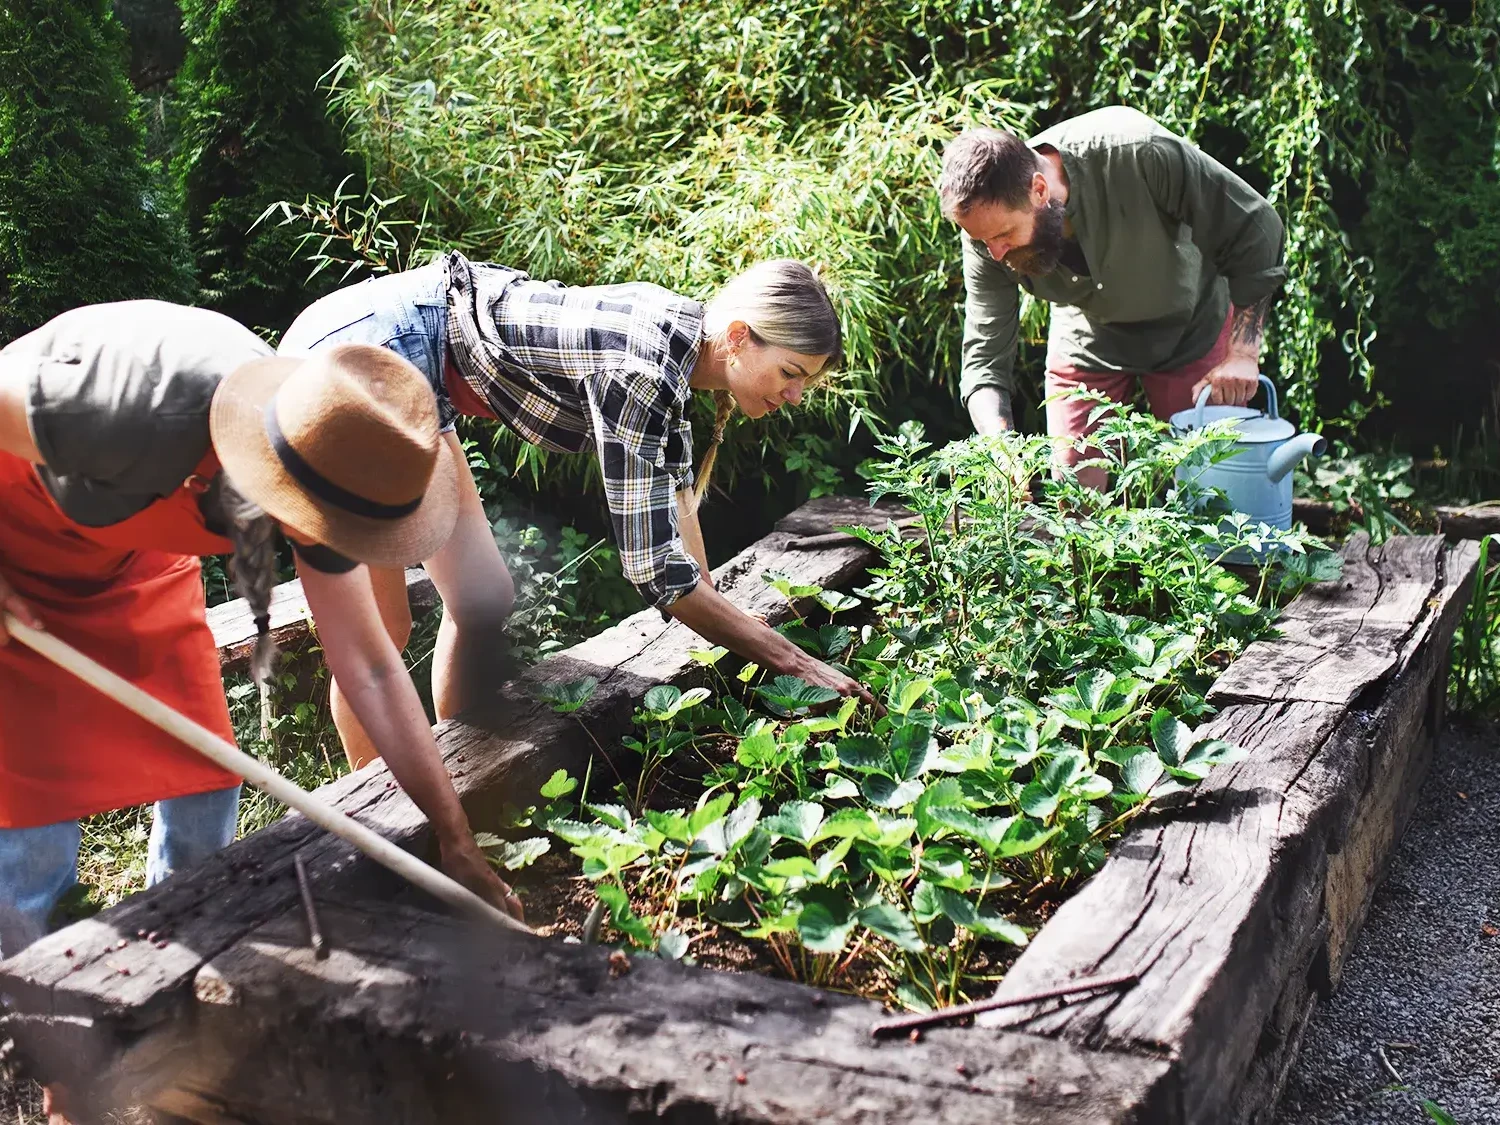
990,411
12,603
1233,382
465,863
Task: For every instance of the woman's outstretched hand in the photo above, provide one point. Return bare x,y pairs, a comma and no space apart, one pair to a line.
819,674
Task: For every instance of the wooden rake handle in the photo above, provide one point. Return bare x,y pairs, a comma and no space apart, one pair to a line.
260,775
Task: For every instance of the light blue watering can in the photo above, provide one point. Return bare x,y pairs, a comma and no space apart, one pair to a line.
1257,479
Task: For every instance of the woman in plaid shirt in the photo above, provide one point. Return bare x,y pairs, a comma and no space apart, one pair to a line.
572,368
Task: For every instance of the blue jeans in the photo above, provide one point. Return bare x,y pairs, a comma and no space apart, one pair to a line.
404,312
38,865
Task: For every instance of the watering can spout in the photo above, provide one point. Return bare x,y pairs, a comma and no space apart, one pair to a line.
1291,453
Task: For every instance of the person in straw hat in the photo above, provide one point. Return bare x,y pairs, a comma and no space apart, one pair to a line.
135,437
608,369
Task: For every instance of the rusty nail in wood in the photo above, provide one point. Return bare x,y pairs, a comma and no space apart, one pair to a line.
914,1023
314,931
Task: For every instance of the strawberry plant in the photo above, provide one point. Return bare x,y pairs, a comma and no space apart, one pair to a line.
1042,661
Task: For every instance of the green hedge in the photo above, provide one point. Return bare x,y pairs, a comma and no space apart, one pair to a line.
82,216
255,129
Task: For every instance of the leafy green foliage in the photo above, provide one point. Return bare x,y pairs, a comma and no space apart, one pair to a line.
1474,680
1042,663
255,129
608,140
82,216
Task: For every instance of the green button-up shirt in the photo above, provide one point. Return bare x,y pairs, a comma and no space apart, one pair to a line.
1170,237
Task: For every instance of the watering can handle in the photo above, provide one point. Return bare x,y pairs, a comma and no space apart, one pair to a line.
1271,412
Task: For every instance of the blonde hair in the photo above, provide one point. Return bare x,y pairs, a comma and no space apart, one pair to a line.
784,303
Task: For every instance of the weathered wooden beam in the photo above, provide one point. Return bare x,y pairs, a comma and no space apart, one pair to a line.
1236,908
233,625
1339,639
1473,522
457,1026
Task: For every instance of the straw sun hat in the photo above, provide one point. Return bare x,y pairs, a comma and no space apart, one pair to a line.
343,445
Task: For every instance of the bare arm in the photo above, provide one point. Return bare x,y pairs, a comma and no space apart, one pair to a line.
1235,380
712,616
15,439
692,534
375,682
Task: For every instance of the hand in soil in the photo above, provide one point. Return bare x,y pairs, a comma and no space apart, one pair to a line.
12,603
468,866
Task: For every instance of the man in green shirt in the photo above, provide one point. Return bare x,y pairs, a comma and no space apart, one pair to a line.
1159,261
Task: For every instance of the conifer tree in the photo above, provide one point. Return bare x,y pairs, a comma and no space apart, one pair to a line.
82,218
255,129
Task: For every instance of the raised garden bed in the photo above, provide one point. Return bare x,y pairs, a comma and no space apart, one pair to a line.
1235,910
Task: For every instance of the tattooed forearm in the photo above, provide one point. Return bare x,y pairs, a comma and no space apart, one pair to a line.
1248,324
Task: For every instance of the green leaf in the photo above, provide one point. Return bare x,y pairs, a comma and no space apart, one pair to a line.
782,582
909,695
796,820
748,672
1141,772
1094,688
835,602
864,754
523,853
569,697
892,923
708,657
793,867
1063,770
1171,737
1024,836
622,917
912,747
660,699
858,824
673,945
946,866
1094,787
672,825
795,695
616,816
822,930
1438,1113
559,785
940,794
1038,800
884,792
759,750
834,640
740,822
707,813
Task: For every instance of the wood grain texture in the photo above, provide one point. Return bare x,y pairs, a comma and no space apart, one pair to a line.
233,625
1339,639
456,1025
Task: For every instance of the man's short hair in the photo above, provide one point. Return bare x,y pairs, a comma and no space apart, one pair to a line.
985,166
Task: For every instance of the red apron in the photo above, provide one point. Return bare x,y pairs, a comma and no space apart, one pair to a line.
130,596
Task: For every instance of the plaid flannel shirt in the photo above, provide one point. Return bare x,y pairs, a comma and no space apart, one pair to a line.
567,367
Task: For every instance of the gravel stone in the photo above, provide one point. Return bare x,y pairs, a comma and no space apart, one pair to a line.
1423,983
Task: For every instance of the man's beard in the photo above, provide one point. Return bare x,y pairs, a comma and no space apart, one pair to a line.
1044,251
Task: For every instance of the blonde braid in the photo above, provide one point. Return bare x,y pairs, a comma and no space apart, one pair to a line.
723,409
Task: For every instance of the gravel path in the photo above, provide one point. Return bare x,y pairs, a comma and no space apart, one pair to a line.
1423,984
